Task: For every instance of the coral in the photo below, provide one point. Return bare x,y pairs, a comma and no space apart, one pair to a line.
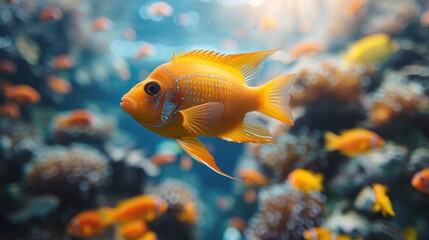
74,174
328,81
395,99
18,139
380,165
290,152
183,210
81,126
284,213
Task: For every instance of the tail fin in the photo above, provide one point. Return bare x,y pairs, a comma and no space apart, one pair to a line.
331,141
275,98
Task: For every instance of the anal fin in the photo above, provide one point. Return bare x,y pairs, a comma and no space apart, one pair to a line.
247,131
197,150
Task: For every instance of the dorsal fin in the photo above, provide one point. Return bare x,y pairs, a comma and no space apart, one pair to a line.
248,64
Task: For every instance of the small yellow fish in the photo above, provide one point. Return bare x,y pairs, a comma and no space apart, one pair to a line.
305,180
371,49
353,142
204,93
382,201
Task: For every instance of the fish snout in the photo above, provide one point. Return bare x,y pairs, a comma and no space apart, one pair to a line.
128,103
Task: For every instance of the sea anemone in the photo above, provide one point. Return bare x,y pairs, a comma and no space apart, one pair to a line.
74,174
284,213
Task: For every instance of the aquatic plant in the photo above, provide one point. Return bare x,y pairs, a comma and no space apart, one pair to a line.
75,174
284,213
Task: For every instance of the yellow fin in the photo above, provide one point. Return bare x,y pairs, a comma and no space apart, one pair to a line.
275,94
247,131
196,149
202,119
331,141
245,63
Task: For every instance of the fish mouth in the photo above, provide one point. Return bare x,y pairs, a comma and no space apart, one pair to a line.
128,103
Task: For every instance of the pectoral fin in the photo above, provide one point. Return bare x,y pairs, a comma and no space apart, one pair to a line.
196,149
247,131
202,119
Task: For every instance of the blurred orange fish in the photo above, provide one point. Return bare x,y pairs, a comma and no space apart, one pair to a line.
382,201
149,236
204,93
102,24
144,50
59,85
353,142
321,233
189,213
86,224
77,118
253,177
186,163
238,223
144,207
305,180
22,94
424,18
64,61
307,48
10,110
420,181
354,7
50,14
250,195
133,229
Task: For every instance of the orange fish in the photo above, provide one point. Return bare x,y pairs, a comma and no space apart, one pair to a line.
238,223
250,195
353,142
354,7
253,177
321,233
102,23
50,14
307,48
305,180
149,236
382,201
420,181
133,229
204,93
59,85
186,163
86,224
77,118
189,213
64,61
144,207
22,94
10,110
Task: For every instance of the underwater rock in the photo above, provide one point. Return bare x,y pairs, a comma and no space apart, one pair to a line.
419,159
379,165
386,230
82,126
183,212
284,213
75,174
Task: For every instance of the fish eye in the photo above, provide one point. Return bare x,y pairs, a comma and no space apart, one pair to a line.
152,88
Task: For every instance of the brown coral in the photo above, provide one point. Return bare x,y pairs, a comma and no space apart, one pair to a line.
284,213
394,100
81,126
327,81
74,174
